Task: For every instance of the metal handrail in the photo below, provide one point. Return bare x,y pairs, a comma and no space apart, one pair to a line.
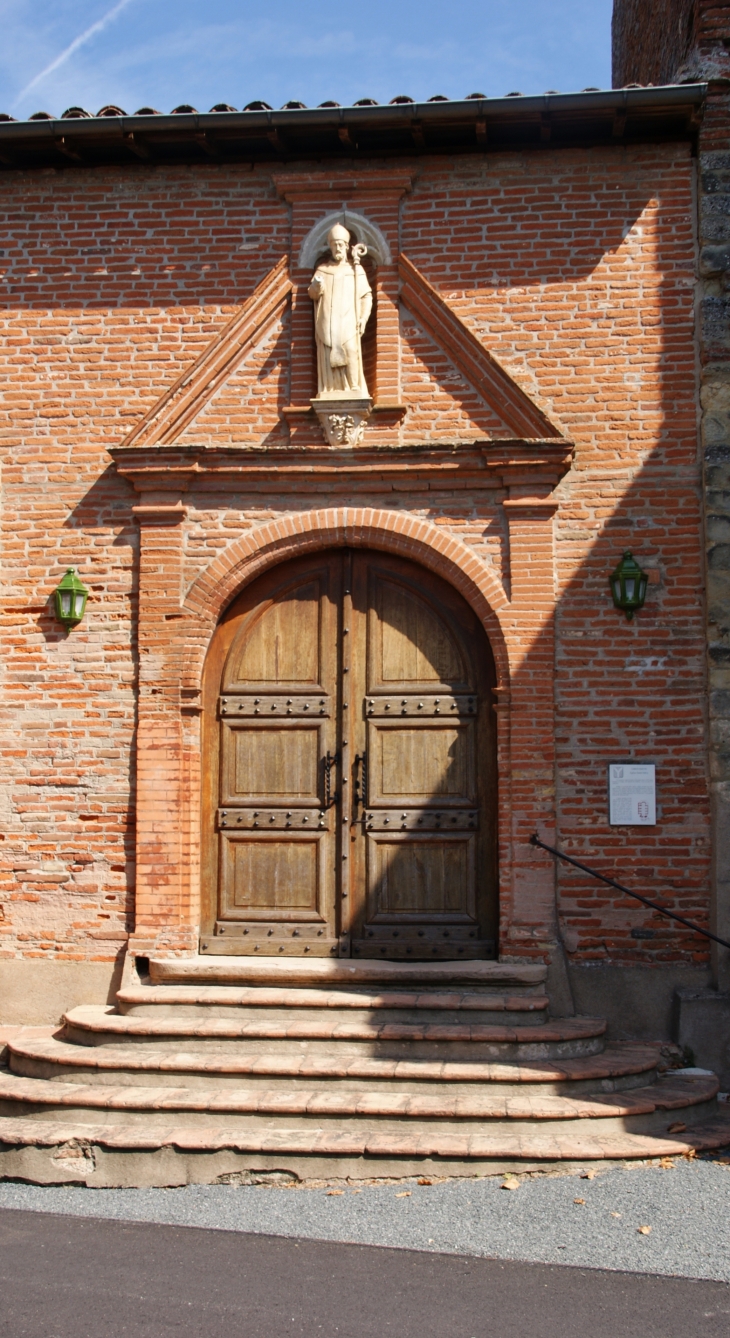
671,915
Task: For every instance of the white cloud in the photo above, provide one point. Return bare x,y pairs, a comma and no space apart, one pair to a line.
74,46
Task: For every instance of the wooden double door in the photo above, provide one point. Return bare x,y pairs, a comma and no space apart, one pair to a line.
349,766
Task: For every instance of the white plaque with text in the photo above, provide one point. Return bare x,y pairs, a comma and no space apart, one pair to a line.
632,794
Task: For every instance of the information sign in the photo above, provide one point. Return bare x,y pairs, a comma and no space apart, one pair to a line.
632,794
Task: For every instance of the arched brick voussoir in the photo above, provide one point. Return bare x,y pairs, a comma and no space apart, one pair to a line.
356,527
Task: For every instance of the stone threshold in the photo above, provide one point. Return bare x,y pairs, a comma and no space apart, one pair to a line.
323,970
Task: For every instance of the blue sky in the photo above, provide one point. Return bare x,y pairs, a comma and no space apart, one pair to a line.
60,53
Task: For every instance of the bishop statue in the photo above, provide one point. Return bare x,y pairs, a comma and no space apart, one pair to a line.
343,301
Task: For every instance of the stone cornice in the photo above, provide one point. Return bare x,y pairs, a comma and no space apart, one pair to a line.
505,463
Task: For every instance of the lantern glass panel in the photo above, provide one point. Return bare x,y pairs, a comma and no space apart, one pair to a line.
79,604
628,585
66,603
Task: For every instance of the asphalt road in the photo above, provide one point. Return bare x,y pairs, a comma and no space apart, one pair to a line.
66,1277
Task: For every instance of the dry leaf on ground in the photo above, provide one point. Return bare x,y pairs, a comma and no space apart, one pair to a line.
423,1181
666,1163
404,1194
589,1175
644,1230
331,1193
615,1214
578,1200
677,1128
511,1182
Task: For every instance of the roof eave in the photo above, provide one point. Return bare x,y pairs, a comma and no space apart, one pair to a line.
672,111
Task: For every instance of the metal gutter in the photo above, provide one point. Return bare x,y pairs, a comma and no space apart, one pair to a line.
670,110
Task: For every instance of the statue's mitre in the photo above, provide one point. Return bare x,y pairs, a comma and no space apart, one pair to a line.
338,233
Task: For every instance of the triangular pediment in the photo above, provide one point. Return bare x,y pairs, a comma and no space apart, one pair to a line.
486,392
453,388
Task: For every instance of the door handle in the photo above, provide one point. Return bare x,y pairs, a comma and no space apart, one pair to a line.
330,761
360,788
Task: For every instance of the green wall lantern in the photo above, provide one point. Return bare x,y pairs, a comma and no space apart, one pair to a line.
628,585
70,595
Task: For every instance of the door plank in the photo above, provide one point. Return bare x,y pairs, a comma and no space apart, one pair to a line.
412,644
421,877
428,762
271,878
271,882
283,643
266,764
349,766
425,858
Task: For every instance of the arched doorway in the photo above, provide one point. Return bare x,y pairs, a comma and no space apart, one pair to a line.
349,766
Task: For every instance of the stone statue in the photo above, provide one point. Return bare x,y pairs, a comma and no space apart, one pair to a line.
343,302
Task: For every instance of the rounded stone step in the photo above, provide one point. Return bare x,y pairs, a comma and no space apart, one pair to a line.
94,1025
620,1066
343,1002
100,1154
643,1110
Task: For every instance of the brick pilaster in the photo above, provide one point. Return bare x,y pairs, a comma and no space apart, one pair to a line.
161,894
530,917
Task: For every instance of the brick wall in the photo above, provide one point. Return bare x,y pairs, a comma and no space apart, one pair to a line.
669,41
575,269
644,51
653,36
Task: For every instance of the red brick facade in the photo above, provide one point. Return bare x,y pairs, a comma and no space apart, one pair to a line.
676,41
574,269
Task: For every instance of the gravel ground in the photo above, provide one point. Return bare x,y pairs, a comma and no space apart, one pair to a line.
687,1208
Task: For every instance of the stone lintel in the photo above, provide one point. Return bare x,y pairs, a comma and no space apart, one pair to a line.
533,466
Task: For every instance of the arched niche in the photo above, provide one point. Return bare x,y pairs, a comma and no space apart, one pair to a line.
366,232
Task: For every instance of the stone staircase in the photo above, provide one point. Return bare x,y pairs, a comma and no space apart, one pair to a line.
230,1069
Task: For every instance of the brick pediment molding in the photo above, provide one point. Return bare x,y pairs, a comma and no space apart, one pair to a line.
179,405
524,419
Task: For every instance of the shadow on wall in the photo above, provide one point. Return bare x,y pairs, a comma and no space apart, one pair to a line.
635,690
623,690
